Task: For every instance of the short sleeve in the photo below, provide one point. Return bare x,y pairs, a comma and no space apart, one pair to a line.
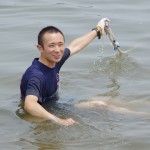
34,87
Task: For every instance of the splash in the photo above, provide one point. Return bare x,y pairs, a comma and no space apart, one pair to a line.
114,66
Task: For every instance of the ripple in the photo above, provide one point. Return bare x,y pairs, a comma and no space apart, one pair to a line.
115,66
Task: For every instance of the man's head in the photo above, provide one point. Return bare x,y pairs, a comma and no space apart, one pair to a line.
48,29
51,45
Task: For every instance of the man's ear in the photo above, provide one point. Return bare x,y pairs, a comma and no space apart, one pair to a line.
40,48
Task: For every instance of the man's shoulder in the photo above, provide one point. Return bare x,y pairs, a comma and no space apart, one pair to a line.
67,50
33,72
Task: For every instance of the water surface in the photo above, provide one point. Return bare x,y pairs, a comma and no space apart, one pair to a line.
94,72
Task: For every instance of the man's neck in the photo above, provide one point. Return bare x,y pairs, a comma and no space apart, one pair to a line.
46,63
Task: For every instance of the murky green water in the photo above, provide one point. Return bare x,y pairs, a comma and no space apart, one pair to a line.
94,72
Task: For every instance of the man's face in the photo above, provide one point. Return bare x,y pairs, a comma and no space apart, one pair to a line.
53,48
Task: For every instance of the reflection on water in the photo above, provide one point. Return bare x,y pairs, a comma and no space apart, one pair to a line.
114,67
124,78
96,128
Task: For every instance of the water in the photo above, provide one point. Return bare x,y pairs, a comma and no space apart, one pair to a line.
94,72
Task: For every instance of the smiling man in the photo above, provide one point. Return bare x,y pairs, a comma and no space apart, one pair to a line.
40,82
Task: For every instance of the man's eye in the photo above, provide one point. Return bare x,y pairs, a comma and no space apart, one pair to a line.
61,44
51,46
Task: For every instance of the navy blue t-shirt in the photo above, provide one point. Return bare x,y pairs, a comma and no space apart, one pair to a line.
42,81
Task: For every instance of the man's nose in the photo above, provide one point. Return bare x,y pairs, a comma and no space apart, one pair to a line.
57,48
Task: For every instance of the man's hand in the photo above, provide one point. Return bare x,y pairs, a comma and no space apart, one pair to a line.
101,25
66,122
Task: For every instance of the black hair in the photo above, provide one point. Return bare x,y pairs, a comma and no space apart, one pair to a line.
48,29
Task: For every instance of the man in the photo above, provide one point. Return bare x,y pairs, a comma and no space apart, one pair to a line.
40,82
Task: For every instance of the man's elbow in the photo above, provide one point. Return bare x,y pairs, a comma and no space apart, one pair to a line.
27,106
29,103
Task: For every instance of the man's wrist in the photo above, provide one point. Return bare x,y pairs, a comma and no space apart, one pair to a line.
98,31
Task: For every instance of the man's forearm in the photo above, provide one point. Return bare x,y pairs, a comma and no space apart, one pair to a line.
81,42
35,109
